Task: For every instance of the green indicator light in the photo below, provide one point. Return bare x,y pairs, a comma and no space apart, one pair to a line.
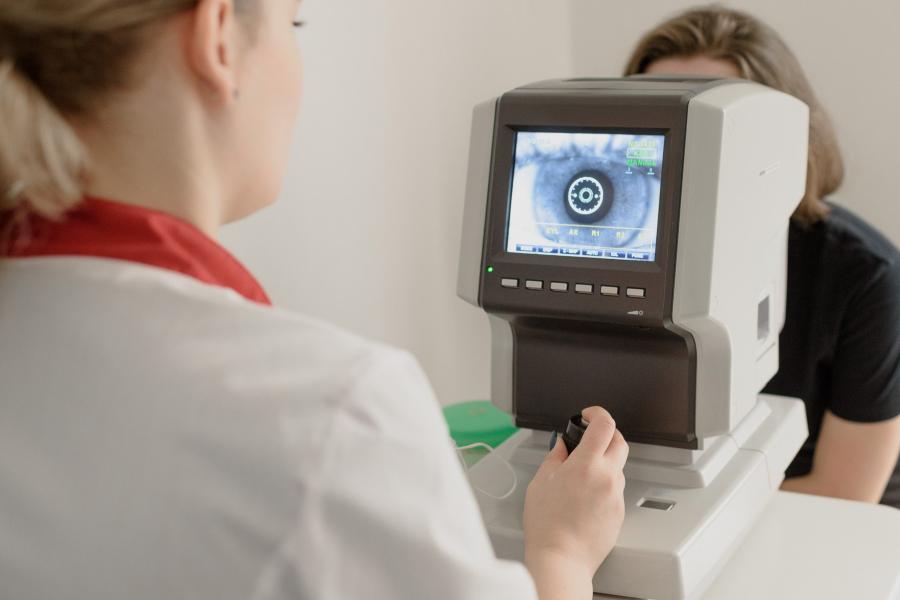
490,269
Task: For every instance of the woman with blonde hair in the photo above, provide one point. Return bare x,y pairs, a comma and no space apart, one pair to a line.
840,347
164,431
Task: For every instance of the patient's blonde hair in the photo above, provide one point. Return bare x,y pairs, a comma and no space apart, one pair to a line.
58,59
760,55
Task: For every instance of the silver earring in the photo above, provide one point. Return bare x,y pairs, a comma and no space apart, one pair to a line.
236,93
15,191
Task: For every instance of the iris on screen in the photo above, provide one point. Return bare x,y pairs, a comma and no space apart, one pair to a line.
593,195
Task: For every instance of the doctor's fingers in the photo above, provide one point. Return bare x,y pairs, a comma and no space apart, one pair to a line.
599,433
617,451
552,462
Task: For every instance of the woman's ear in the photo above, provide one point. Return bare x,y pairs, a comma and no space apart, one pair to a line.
212,44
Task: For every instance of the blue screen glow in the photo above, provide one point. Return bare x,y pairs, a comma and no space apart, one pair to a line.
592,195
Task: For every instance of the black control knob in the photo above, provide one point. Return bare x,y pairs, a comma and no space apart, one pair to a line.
574,430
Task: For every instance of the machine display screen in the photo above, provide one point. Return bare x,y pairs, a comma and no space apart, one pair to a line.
592,195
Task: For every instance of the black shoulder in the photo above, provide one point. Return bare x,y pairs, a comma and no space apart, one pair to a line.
858,239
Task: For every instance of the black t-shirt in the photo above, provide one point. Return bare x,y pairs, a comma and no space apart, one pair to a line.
840,346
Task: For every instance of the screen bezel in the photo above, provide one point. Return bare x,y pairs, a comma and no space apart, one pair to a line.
664,134
613,111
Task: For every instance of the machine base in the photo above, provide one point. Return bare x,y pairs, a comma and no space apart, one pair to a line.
675,538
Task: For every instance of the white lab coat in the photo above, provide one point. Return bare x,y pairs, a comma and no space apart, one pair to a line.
165,439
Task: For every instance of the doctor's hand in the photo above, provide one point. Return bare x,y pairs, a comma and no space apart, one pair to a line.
574,509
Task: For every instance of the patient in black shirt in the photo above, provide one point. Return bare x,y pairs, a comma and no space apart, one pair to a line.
840,347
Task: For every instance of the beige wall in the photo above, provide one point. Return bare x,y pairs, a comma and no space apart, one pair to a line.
366,234
367,230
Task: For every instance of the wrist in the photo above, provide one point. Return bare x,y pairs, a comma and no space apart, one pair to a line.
557,575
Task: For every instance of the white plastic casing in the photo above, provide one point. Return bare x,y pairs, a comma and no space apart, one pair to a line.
472,243
744,174
670,554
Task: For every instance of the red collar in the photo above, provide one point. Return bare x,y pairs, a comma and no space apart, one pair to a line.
105,229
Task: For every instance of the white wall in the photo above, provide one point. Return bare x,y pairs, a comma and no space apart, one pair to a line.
367,232
850,50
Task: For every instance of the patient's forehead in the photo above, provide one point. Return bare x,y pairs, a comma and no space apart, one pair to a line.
693,65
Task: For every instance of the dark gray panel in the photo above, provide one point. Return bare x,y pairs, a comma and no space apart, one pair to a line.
643,376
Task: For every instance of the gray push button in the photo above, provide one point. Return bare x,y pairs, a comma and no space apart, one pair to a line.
534,284
559,286
584,288
609,290
636,293
509,283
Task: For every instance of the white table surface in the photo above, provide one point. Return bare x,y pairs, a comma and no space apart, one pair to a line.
813,548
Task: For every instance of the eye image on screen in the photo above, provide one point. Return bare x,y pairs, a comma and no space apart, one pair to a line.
592,195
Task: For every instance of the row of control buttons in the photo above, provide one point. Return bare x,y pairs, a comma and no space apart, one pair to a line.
580,288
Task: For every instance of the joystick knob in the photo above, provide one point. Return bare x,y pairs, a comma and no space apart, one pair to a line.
574,430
